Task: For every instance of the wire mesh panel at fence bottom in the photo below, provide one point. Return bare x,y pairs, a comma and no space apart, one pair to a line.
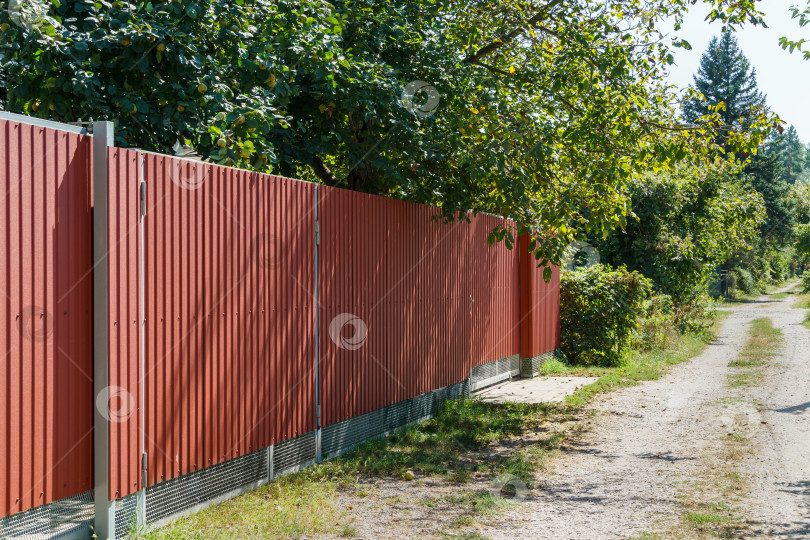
66,518
194,491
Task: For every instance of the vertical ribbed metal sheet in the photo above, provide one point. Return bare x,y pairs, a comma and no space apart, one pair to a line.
229,313
539,305
493,272
46,394
408,304
124,322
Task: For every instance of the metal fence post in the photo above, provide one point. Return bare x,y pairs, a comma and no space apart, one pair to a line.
318,455
104,508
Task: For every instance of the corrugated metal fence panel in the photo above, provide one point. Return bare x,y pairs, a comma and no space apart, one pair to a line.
46,443
229,311
124,323
408,303
539,306
495,294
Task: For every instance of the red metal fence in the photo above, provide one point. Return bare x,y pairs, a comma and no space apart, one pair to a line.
214,297
125,321
230,313
46,396
408,304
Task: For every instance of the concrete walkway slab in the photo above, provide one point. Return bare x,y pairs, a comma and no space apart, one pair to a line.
537,390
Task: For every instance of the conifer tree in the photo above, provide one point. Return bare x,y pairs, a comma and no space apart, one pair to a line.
725,75
791,152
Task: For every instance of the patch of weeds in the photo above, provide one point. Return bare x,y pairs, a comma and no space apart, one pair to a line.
802,301
441,446
290,507
642,366
737,436
778,296
554,366
464,520
483,502
463,535
763,340
347,531
746,378
699,519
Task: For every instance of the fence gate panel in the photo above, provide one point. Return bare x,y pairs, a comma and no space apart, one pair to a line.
46,361
230,359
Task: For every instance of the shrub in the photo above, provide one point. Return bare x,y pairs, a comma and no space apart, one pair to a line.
741,279
599,313
655,327
806,281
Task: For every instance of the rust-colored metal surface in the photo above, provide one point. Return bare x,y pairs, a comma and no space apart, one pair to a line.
230,279
408,304
125,320
539,305
219,359
495,292
46,392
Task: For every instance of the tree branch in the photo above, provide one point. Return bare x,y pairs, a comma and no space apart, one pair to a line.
322,171
476,57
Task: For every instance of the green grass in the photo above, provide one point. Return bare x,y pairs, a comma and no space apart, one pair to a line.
442,445
802,301
639,367
762,344
698,518
778,296
455,445
290,507
716,518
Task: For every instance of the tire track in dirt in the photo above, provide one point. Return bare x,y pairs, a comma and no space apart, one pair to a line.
656,445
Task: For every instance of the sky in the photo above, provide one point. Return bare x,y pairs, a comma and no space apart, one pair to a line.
783,77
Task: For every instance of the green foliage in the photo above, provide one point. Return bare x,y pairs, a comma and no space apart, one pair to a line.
547,108
803,241
599,313
741,279
792,154
806,281
765,172
802,17
688,222
655,326
728,86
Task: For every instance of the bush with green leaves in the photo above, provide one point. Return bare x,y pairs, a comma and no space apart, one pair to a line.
600,310
806,281
656,326
742,280
689,221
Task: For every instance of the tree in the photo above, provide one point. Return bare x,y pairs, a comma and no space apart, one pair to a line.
765,174
546,109
688,222
726,80
790,152
802,16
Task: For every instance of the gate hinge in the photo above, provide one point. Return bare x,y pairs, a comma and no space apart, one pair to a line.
143,198
144,461
317,233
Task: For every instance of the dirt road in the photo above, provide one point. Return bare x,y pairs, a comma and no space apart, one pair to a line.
665,455
689,455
